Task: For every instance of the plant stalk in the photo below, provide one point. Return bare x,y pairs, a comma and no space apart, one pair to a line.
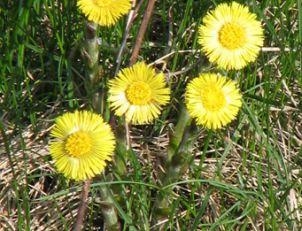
176,136
108,210
91,54
142,31
78,226
180,151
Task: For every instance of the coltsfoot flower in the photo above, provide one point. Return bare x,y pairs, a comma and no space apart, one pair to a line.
104,12
212,100
231,36
138,93
81,144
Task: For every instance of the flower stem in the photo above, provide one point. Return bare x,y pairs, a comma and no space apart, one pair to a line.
108,210
122,146
82,207
91,53
180,156
94,70
177,135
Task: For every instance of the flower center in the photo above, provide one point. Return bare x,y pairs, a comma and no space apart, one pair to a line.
232,36
138,93
213,99
101,3
78,144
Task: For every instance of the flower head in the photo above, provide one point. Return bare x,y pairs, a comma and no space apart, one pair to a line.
138,93
231,36
81,144
213,100
104,12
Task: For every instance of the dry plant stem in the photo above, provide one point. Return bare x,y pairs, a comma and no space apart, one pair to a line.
275,49
128,144
129,24
125,37
142,31
82,207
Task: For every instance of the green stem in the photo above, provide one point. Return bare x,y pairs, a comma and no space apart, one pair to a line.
108,210
91,51
94,71
176,136
180,148
91,54
121,151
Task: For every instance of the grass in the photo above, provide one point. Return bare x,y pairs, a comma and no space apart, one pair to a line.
244,177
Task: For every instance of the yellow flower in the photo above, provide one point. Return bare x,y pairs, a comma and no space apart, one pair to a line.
213,100
231,36
104,12
138,93
81,143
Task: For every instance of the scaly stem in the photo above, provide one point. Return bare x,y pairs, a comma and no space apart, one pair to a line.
180,151
108,210
176,136
91,53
